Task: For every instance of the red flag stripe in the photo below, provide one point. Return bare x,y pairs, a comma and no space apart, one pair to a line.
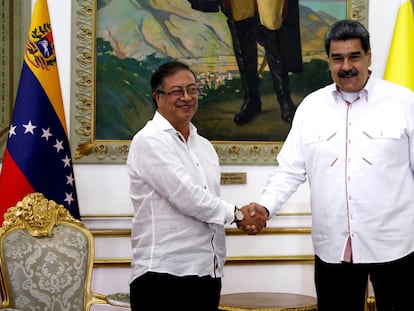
16,184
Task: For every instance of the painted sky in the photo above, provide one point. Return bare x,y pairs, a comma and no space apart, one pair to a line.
336,8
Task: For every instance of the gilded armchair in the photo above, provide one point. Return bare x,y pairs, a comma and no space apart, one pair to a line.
46,258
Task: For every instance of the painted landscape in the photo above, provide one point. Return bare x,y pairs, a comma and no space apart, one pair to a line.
135,37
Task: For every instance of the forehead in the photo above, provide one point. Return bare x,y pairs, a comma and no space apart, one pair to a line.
345,46
179,78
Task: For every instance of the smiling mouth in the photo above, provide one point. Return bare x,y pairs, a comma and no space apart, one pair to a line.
185,106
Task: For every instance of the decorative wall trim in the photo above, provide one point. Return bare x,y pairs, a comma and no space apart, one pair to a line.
289,223
14,24
236,260
229,232
272,231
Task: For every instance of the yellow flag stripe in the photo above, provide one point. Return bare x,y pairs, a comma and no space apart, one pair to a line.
47,74
400,64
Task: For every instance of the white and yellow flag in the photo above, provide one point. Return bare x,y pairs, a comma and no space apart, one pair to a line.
400,63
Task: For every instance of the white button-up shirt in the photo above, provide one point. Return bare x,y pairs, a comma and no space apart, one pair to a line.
359,160
178,224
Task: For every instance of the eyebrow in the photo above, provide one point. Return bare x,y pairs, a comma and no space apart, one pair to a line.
356,53
180,87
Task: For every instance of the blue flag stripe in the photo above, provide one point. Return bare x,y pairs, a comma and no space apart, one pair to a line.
40,146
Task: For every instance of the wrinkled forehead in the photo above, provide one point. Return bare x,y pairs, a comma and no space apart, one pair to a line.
181,78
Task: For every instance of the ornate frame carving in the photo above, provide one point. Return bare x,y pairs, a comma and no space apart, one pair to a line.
15,24
89,150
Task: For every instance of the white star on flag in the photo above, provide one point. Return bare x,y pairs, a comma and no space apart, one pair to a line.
46,133
69,198
29,127
66,160
70,179
58,145
12,130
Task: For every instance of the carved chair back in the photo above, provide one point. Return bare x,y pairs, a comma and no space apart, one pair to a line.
46,258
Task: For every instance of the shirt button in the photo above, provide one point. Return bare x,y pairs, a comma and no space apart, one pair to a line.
205,187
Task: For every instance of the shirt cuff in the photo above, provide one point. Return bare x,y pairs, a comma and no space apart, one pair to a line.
229,213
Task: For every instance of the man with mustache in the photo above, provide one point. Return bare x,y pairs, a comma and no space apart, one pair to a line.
353,141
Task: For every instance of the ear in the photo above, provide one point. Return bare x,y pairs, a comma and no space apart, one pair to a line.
369,54
156,96
157,99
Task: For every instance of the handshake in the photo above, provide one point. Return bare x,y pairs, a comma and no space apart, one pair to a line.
254,218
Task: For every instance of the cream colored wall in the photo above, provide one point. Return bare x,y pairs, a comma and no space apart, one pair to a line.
104,189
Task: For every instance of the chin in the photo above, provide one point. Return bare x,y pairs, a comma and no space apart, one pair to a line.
347,88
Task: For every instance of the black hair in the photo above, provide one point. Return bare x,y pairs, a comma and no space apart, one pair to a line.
345,30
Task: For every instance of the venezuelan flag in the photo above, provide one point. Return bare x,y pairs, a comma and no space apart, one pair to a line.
400,64
37,155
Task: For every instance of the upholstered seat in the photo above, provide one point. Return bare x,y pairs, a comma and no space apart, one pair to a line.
46,258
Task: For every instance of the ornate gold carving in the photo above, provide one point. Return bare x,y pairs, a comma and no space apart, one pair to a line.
358,10
14,21
84,149
37,215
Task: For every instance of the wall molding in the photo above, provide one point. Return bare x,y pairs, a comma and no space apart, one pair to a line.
111,262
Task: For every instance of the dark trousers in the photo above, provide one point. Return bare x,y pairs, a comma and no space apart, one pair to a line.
162,291
342,287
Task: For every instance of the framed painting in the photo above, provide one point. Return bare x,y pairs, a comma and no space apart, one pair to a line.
118,44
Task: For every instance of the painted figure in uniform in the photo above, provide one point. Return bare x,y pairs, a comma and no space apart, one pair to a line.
274,24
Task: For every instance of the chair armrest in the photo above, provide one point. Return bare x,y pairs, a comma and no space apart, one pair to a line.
97,299
119,300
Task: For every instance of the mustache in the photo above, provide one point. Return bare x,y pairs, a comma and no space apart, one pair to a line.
347,73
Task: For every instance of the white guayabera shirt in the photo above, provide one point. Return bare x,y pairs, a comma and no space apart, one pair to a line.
178,224
359,160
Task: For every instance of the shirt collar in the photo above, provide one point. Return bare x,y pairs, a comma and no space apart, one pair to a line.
363,93
165,125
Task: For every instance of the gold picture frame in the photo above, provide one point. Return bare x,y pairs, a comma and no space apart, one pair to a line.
88,149
15,23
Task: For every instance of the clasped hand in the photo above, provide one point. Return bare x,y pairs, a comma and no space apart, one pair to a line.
255,217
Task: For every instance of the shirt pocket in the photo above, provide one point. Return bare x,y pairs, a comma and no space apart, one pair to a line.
384,145
318,137
321,146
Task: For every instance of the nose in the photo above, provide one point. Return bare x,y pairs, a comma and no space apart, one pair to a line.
347,64
186,95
